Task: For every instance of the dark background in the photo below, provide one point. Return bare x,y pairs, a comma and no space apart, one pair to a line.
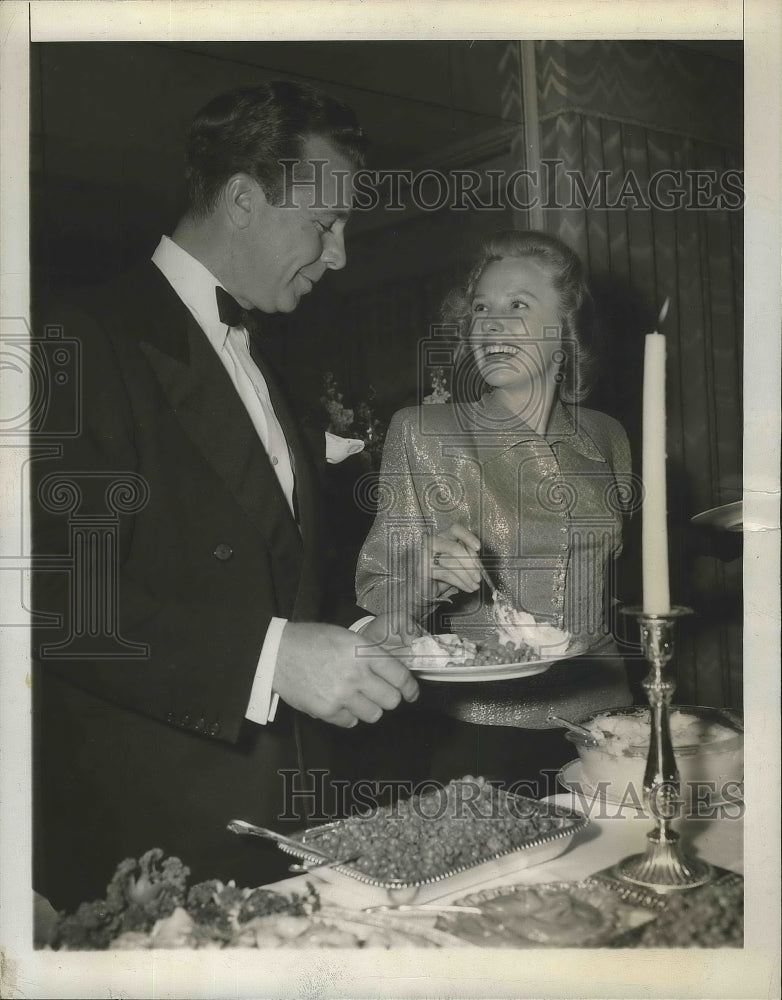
108,127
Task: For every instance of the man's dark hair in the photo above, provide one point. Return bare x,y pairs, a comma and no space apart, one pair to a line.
251,129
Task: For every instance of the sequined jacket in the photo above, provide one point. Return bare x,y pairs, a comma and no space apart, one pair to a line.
548,510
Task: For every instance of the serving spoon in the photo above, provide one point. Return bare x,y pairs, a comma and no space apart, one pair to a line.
575,728
241,826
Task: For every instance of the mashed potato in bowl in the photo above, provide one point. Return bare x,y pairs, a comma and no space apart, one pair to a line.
708,744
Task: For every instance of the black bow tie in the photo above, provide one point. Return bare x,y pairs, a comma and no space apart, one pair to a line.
231,313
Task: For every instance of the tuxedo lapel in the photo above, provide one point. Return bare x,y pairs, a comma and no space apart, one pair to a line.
207,405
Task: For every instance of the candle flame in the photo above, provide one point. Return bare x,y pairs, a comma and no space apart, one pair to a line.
664,311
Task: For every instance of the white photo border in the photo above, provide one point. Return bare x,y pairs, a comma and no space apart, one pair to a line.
751,972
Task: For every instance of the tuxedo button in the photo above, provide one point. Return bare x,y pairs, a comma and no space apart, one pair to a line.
223,551
185,720
214,729
170,717
199,724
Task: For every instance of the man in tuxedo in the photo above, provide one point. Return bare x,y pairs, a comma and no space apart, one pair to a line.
182,677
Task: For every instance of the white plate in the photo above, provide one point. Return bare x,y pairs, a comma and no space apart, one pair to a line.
488,672
728,517
573,778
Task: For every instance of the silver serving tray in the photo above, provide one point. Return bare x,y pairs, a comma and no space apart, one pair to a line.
571,823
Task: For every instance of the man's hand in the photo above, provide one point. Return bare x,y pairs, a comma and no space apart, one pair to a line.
392,631
333,674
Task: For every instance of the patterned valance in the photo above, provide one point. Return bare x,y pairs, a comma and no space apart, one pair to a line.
659,85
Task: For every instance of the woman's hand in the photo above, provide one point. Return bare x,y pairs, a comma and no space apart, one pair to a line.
451,559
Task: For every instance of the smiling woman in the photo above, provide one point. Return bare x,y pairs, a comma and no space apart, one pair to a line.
515,336
520,482
528,288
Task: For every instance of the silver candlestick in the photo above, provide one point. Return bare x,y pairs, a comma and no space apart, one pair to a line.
662,867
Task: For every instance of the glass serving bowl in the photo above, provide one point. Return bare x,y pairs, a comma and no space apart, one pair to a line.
708,744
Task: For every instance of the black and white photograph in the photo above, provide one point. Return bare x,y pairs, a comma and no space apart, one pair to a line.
391,501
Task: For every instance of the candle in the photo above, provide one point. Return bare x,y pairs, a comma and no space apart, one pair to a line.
656,595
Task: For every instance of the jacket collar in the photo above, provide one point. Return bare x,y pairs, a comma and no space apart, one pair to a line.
496,429
195,285
207,405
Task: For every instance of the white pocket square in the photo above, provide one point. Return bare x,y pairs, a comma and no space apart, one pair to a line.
339,448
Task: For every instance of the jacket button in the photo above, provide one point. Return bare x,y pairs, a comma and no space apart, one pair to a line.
223,551
185,720
170,717
199,724
214,729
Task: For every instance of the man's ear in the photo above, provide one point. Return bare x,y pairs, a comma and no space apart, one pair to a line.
242,195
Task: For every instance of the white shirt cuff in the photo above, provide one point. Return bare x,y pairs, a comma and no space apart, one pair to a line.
357,626
263,701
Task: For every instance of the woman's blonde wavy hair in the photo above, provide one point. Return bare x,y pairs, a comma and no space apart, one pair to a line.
576,306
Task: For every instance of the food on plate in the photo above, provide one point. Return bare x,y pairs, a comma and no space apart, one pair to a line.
147,906
554,915
708,744
433,652
711,916
521,629
464,823
553,919
139,893
632,730
295,932
518,638
557,920
333,930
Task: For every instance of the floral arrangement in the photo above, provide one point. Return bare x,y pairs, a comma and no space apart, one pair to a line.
340,418
439,393
359,422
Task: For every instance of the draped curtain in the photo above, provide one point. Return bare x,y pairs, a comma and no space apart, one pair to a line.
626,107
